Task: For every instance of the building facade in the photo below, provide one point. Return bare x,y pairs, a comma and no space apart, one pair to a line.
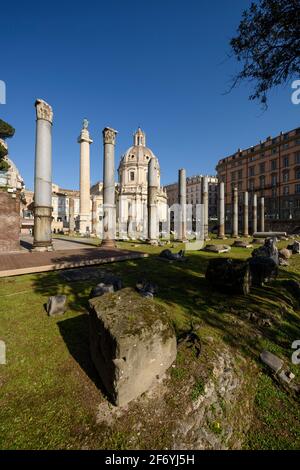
269,169
194,194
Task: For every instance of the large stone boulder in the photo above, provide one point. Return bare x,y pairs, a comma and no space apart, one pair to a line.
229,275
132,343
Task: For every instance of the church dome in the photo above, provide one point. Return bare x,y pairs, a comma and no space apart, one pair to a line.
138,153
133,166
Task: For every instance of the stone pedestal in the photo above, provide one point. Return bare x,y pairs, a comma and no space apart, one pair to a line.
205,206
71,216
245,215
152,206
109,206
43,178
182,204
262,214
85,207
132,343
221,212
254,220
235,214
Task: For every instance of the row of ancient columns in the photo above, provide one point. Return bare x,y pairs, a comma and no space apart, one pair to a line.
235,213
43,185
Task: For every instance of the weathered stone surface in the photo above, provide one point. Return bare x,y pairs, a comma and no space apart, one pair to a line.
241,244
285,253
229,275
283,262
131,342
274,362
9,221
269,234
101,289
269,250
56,305
146,288
263,270
167,254
218,248
2,352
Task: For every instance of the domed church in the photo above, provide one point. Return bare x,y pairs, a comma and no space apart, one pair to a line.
132,188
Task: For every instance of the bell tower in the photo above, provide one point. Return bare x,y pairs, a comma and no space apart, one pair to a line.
139,138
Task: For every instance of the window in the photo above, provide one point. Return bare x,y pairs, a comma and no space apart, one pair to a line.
132,176
274,150
240,174
297,173
285,146
274,180
297,157
297,188
251,185
285,190
262,168
285,176
251,170
274,192
285,161
262,181
233,176
273,164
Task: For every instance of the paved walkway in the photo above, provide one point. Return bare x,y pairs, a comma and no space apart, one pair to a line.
67,243
13,264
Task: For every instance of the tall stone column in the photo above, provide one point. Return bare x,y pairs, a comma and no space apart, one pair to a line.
235,214
205,206
221,229
71,216
245,215
95,217
109,206
182,204
43,178
85,207
254,222
152,207
262,214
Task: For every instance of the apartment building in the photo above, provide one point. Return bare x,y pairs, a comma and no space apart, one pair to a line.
270,169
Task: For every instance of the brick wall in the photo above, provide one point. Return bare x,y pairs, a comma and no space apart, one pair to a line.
9,221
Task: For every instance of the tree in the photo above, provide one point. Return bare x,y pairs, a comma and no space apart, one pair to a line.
268,44
6,131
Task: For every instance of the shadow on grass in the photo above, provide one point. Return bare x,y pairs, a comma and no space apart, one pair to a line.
183,288
75,333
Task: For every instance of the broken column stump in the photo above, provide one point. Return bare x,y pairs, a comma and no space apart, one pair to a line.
131,343
229,275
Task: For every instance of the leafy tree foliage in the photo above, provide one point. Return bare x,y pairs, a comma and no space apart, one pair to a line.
6,131
268,45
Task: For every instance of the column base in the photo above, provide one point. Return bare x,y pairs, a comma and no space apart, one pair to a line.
37,247
222,237
108,244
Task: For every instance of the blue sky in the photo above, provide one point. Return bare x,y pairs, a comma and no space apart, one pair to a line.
161,64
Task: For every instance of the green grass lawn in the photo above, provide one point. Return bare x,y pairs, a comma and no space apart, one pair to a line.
49,391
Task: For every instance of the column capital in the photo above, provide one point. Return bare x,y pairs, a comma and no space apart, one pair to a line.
43,110
109,135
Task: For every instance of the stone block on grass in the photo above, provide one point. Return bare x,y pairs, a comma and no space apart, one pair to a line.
56,305
132,343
